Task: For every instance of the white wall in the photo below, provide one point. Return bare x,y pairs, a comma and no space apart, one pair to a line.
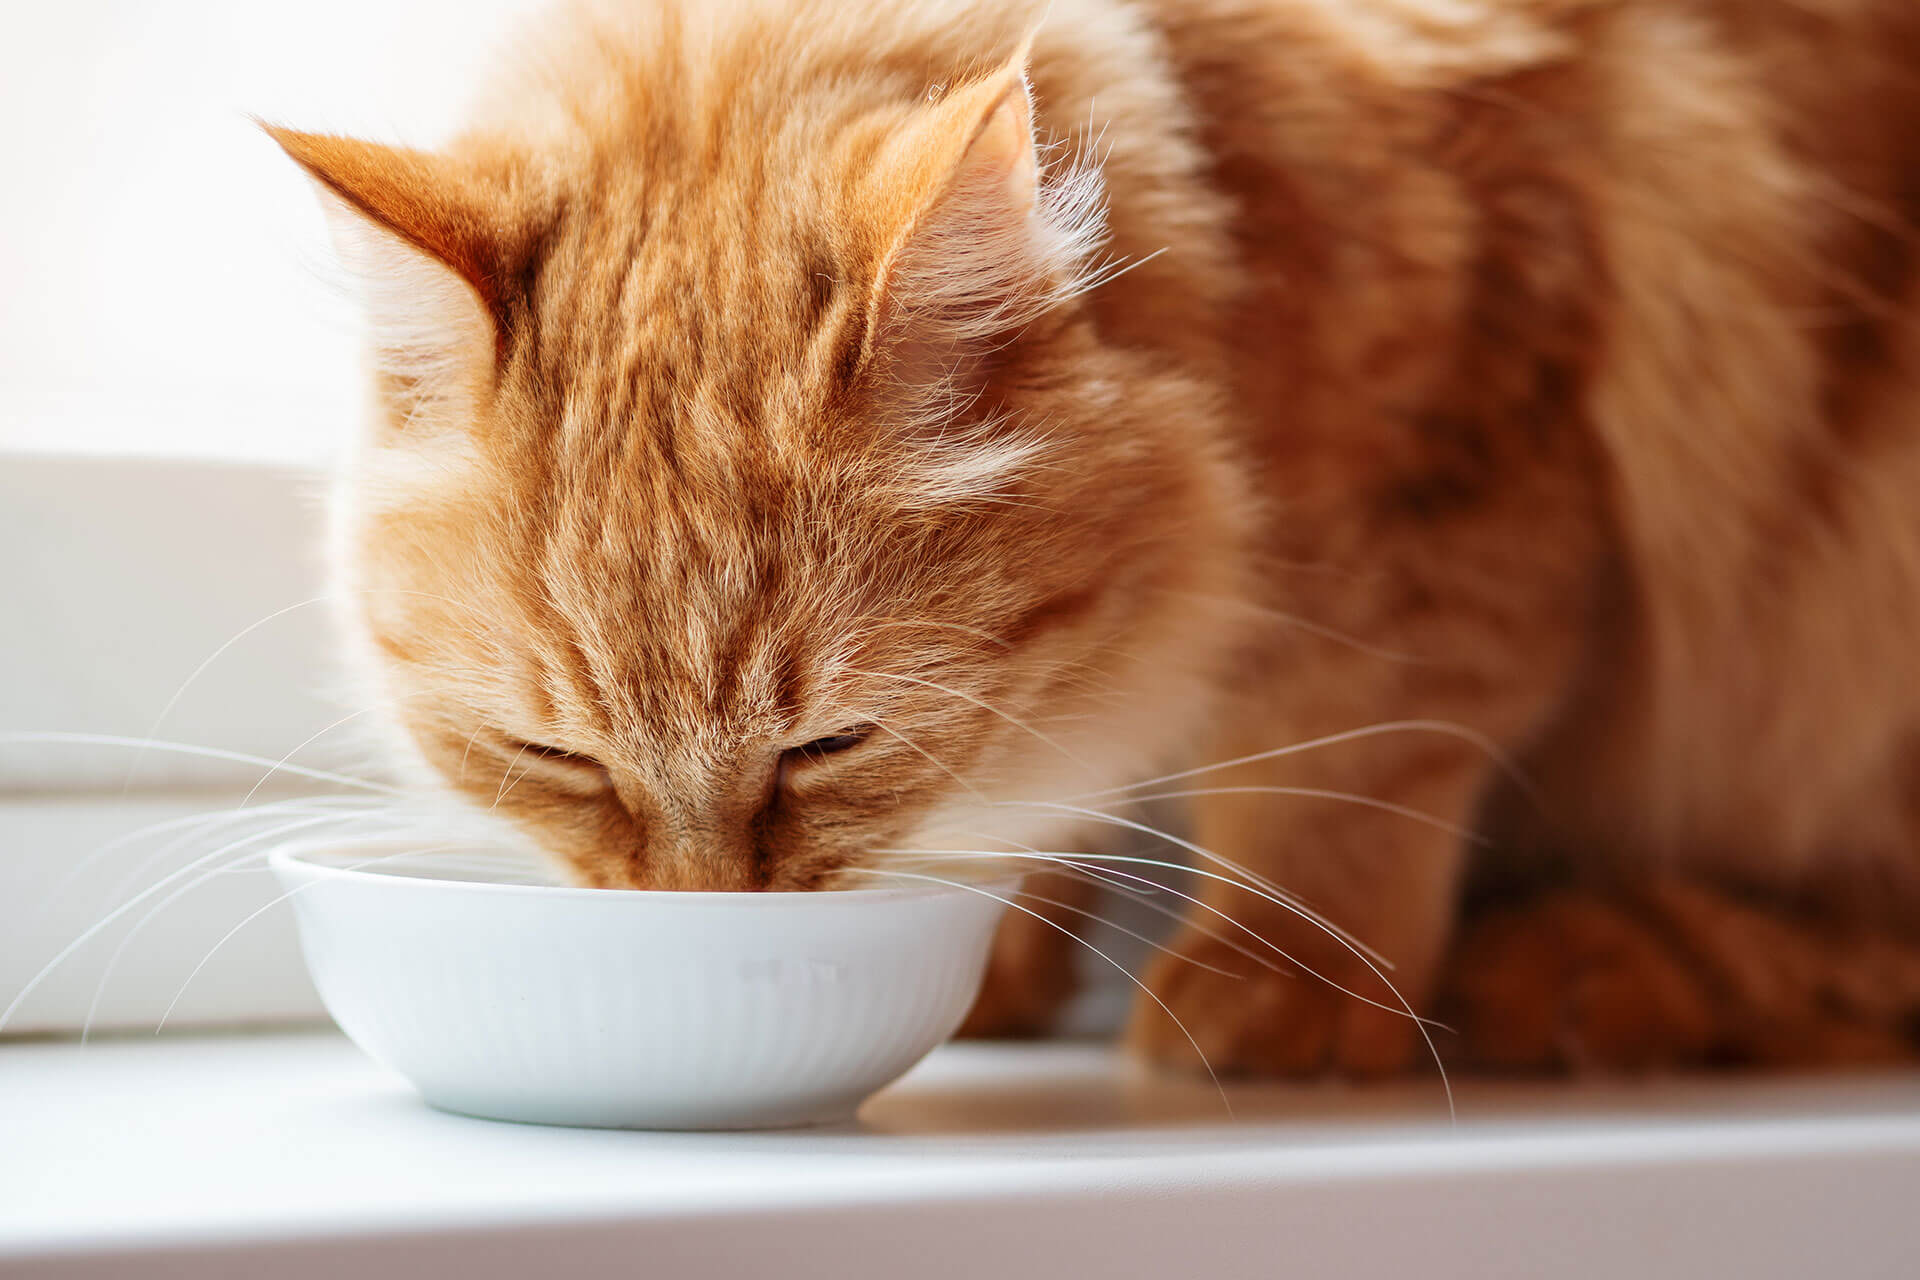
162,267
119,577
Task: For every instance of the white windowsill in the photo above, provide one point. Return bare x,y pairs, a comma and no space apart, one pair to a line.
290,1155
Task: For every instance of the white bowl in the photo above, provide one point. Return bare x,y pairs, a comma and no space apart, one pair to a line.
633,1009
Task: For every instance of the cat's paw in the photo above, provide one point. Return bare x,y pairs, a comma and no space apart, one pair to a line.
1212,1007
1676,975
1575,982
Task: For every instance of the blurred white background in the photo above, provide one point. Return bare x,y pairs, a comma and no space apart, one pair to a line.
163,277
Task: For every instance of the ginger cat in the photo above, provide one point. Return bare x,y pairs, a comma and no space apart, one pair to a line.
814,439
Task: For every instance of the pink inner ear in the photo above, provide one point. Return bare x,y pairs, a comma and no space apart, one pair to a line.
1001,154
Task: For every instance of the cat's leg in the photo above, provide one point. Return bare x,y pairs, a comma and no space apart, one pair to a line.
1031,972
1365,880
1672,973
1468,632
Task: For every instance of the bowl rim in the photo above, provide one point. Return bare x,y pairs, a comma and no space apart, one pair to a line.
300,854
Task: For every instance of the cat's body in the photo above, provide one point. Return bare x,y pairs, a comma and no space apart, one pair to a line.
1543,373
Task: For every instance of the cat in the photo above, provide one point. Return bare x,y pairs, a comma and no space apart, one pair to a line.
1474,447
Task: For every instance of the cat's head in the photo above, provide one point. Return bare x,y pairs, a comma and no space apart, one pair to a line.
749,494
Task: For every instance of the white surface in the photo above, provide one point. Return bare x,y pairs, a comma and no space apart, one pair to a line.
638,1010
292,1156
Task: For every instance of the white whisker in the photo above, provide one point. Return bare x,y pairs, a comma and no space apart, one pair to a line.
967,697
88,934
1093,876
57,738
505,786
200,670
921,751
1477,739
956,884
1405,1008
1307,625
309,740
1318,793
1148,886
886,622
260,911
209,824
194,820
248,630
153,912
1247,878
1117,927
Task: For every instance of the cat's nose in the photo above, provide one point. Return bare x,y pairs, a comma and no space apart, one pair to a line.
701,866
692,839
696,835
700,851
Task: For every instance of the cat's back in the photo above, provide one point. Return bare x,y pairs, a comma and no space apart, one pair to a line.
1665,248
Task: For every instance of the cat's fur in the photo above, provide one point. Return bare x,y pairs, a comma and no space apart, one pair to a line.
1544,371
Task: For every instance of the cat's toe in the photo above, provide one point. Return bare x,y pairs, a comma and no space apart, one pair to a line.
1576,983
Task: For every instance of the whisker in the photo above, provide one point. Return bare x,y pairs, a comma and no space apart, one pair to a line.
1117,927
260,911
469,748
1247,877
885,622
932,759
1172,913
1077,861
1307,625
209,824
93,930
56,738
505,786
315,736
1405,1008
1070,860
1225,1101
1317,793
1106,877
134,763
91,858
1493,752
1015,721
252,627
153,912
1141,887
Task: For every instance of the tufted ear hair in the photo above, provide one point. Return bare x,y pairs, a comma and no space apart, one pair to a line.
434,252
989,240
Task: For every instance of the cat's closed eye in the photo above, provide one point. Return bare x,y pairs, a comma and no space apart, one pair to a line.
554,755
832,744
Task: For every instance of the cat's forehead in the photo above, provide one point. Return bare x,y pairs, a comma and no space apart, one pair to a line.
661,599
709,384
655,660
698,295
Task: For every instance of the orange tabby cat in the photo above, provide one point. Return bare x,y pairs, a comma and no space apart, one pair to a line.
810,435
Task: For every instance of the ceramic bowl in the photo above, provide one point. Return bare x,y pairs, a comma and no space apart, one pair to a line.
555,1005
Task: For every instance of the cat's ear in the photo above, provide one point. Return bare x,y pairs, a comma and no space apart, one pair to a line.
989,240
423,241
